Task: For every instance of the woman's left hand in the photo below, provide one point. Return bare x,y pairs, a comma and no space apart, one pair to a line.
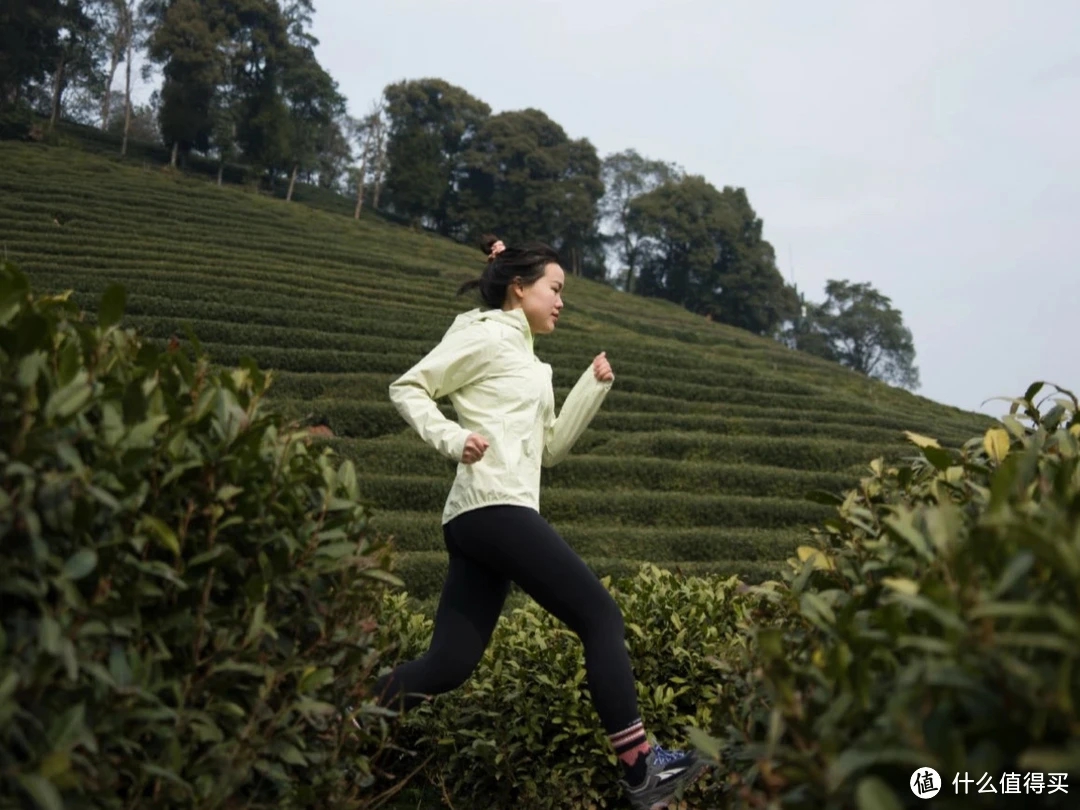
602,368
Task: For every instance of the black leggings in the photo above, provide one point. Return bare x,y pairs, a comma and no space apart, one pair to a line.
490,547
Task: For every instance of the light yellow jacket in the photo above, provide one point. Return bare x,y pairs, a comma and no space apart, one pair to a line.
486,366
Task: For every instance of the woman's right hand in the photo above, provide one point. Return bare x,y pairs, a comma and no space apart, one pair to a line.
475,445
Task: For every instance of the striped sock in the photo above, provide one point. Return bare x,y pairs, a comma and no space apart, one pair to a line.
630,743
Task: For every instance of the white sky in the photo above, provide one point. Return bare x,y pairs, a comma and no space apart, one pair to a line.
929,148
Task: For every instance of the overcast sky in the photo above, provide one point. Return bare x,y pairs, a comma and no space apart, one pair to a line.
929,148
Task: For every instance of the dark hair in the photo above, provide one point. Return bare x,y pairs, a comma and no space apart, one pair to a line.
525,262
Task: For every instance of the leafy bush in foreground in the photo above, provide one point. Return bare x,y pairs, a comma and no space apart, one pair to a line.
522,732
938,625
189,594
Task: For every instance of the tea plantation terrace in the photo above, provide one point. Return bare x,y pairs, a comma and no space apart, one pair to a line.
700,459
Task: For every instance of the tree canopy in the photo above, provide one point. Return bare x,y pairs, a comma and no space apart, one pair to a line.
241,82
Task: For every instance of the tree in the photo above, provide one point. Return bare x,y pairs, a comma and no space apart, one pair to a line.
431,126
627,175
140,122
370,133
225,112
118,37
134,30
750,290
81,52
314,105
525,179
259,44
186,40
859,328
29,45
703,249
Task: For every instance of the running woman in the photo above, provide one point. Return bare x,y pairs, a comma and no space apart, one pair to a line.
491,523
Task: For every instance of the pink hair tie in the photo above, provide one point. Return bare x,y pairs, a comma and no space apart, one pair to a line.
496,249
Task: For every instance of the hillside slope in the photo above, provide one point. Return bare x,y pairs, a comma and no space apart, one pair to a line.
700,457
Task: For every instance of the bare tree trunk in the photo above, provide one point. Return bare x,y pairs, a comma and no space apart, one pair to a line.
58,80
292,182
175,150
359,191
380,153
127,96
106,100
360,176
378,185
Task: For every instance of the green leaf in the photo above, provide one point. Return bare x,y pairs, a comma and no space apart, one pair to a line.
165,773
228,491
1009,610
49,635
80,564
111,309
8,685
902,528
314,678
921,441
55,763
142,435
939,457
853,760
1044,641
901,584
336,550
30,366
289,753
65,401
996,443
1033,389
103,497
165,534
382,575
703,742
69,727
258,623
207,556
873,794
1014,426
813,606
41,790
239,666
931,645
119,667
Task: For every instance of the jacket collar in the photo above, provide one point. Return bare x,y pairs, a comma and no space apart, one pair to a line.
514,318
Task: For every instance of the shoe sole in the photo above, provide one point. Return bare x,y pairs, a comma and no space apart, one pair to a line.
664,804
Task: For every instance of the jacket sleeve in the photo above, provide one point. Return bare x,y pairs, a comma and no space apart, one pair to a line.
458,360
580,407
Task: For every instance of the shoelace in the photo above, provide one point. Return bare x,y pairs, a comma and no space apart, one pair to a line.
664,757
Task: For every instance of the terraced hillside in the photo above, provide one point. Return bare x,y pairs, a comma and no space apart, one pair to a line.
700,457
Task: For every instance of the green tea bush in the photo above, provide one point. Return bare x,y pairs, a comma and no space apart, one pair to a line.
189,593
937,624
795,452
522,732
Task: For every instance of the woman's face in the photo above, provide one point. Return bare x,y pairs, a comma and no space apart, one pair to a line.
541,300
